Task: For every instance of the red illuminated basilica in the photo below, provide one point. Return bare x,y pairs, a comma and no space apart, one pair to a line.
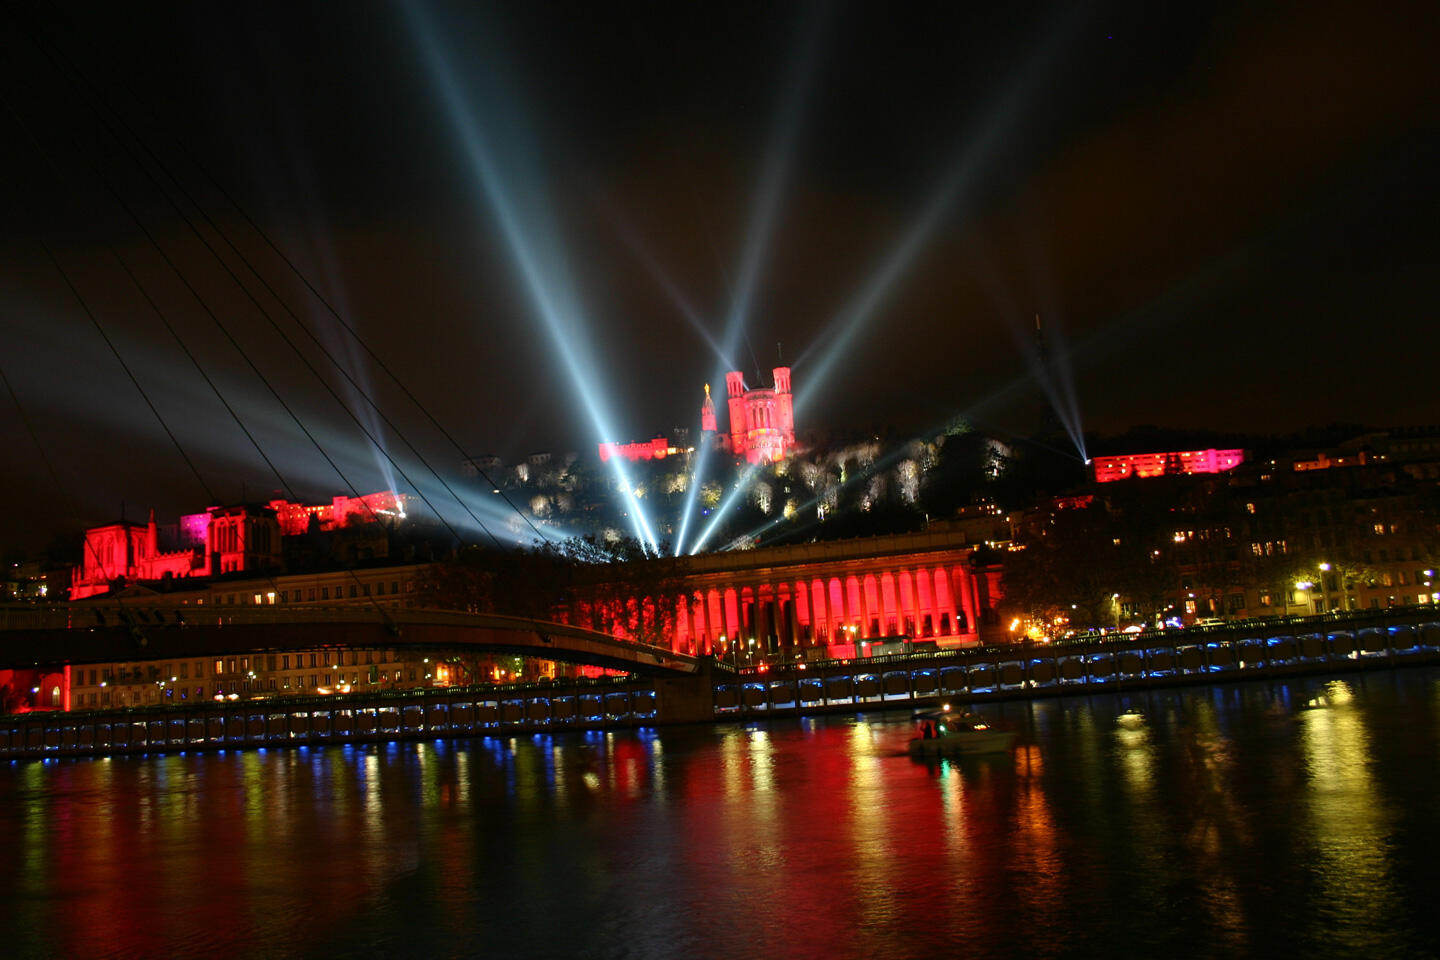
762,424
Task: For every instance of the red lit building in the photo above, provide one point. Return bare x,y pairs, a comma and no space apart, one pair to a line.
842,598
295,518
1108,469
222,540
657,449
762,423
762,419
230,539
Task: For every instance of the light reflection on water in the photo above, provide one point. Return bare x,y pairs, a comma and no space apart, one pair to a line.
1248,819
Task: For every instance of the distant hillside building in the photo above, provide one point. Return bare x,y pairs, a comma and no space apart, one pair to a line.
222,540
1108,469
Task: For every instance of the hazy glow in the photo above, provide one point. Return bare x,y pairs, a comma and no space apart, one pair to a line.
763,213
972,158
518,202
741,486
677,296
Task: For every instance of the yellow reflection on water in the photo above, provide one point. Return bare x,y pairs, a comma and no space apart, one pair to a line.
1034,838
869,842
1348,821
656,754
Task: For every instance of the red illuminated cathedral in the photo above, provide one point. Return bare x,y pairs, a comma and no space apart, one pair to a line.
762,419
762,424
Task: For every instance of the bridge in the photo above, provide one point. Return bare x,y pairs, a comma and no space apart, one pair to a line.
84,633
1282,647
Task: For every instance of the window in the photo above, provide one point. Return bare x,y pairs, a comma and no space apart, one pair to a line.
313,661
364,590
184,672
324,593
310,594
380,589
285,661
219,667
352,591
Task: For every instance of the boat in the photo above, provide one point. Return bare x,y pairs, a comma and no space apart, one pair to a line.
957,732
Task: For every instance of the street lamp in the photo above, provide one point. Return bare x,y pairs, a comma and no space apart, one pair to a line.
1115,602
1307,586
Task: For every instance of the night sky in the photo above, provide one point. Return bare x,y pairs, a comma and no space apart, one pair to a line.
1224,214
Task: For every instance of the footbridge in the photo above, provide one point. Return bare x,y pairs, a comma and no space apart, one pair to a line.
85,633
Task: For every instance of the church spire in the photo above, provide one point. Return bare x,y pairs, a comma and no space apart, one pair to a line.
707,413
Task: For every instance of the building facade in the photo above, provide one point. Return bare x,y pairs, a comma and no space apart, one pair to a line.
762,419
838,599
1109,469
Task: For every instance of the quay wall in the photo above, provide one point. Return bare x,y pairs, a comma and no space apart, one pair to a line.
887,682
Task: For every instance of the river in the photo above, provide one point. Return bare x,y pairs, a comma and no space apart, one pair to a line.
1246,819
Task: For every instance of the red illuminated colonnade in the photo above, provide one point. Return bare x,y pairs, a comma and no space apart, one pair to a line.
834,596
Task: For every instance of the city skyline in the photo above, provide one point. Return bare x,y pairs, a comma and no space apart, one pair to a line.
1219,217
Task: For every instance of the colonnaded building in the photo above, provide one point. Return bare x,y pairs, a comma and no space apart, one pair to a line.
838,599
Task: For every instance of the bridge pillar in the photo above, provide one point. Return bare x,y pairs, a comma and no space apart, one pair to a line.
687,699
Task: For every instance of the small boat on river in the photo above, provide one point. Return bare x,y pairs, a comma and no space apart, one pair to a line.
946,733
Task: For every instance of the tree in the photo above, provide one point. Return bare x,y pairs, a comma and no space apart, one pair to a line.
1067,566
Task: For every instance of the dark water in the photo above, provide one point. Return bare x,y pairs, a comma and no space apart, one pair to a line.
1233,822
